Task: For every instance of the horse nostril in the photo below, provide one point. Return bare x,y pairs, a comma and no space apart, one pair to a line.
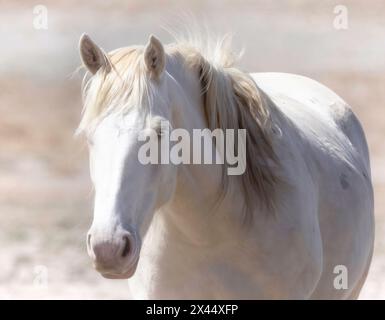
127,246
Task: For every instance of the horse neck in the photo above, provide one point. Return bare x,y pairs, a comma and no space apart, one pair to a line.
191,115
198,186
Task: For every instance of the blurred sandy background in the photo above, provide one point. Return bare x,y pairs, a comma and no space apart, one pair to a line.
45,192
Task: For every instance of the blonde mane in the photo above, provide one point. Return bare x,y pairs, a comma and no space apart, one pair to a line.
231,101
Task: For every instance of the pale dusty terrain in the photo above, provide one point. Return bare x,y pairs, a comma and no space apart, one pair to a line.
45,192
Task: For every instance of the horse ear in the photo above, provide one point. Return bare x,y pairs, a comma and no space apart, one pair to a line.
92,56
154,57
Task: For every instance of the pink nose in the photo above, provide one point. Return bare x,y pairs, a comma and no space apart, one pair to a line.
110,254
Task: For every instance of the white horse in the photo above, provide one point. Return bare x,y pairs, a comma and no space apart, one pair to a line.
297,224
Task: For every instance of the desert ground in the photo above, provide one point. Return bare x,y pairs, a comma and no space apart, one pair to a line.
45,190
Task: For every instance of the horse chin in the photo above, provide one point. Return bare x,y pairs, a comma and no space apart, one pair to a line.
124,275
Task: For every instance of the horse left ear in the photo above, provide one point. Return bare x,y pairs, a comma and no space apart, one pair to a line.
154,57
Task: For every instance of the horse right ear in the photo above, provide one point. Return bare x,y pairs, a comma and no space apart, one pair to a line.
92,56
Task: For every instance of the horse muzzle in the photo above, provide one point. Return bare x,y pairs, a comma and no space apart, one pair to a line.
114,255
